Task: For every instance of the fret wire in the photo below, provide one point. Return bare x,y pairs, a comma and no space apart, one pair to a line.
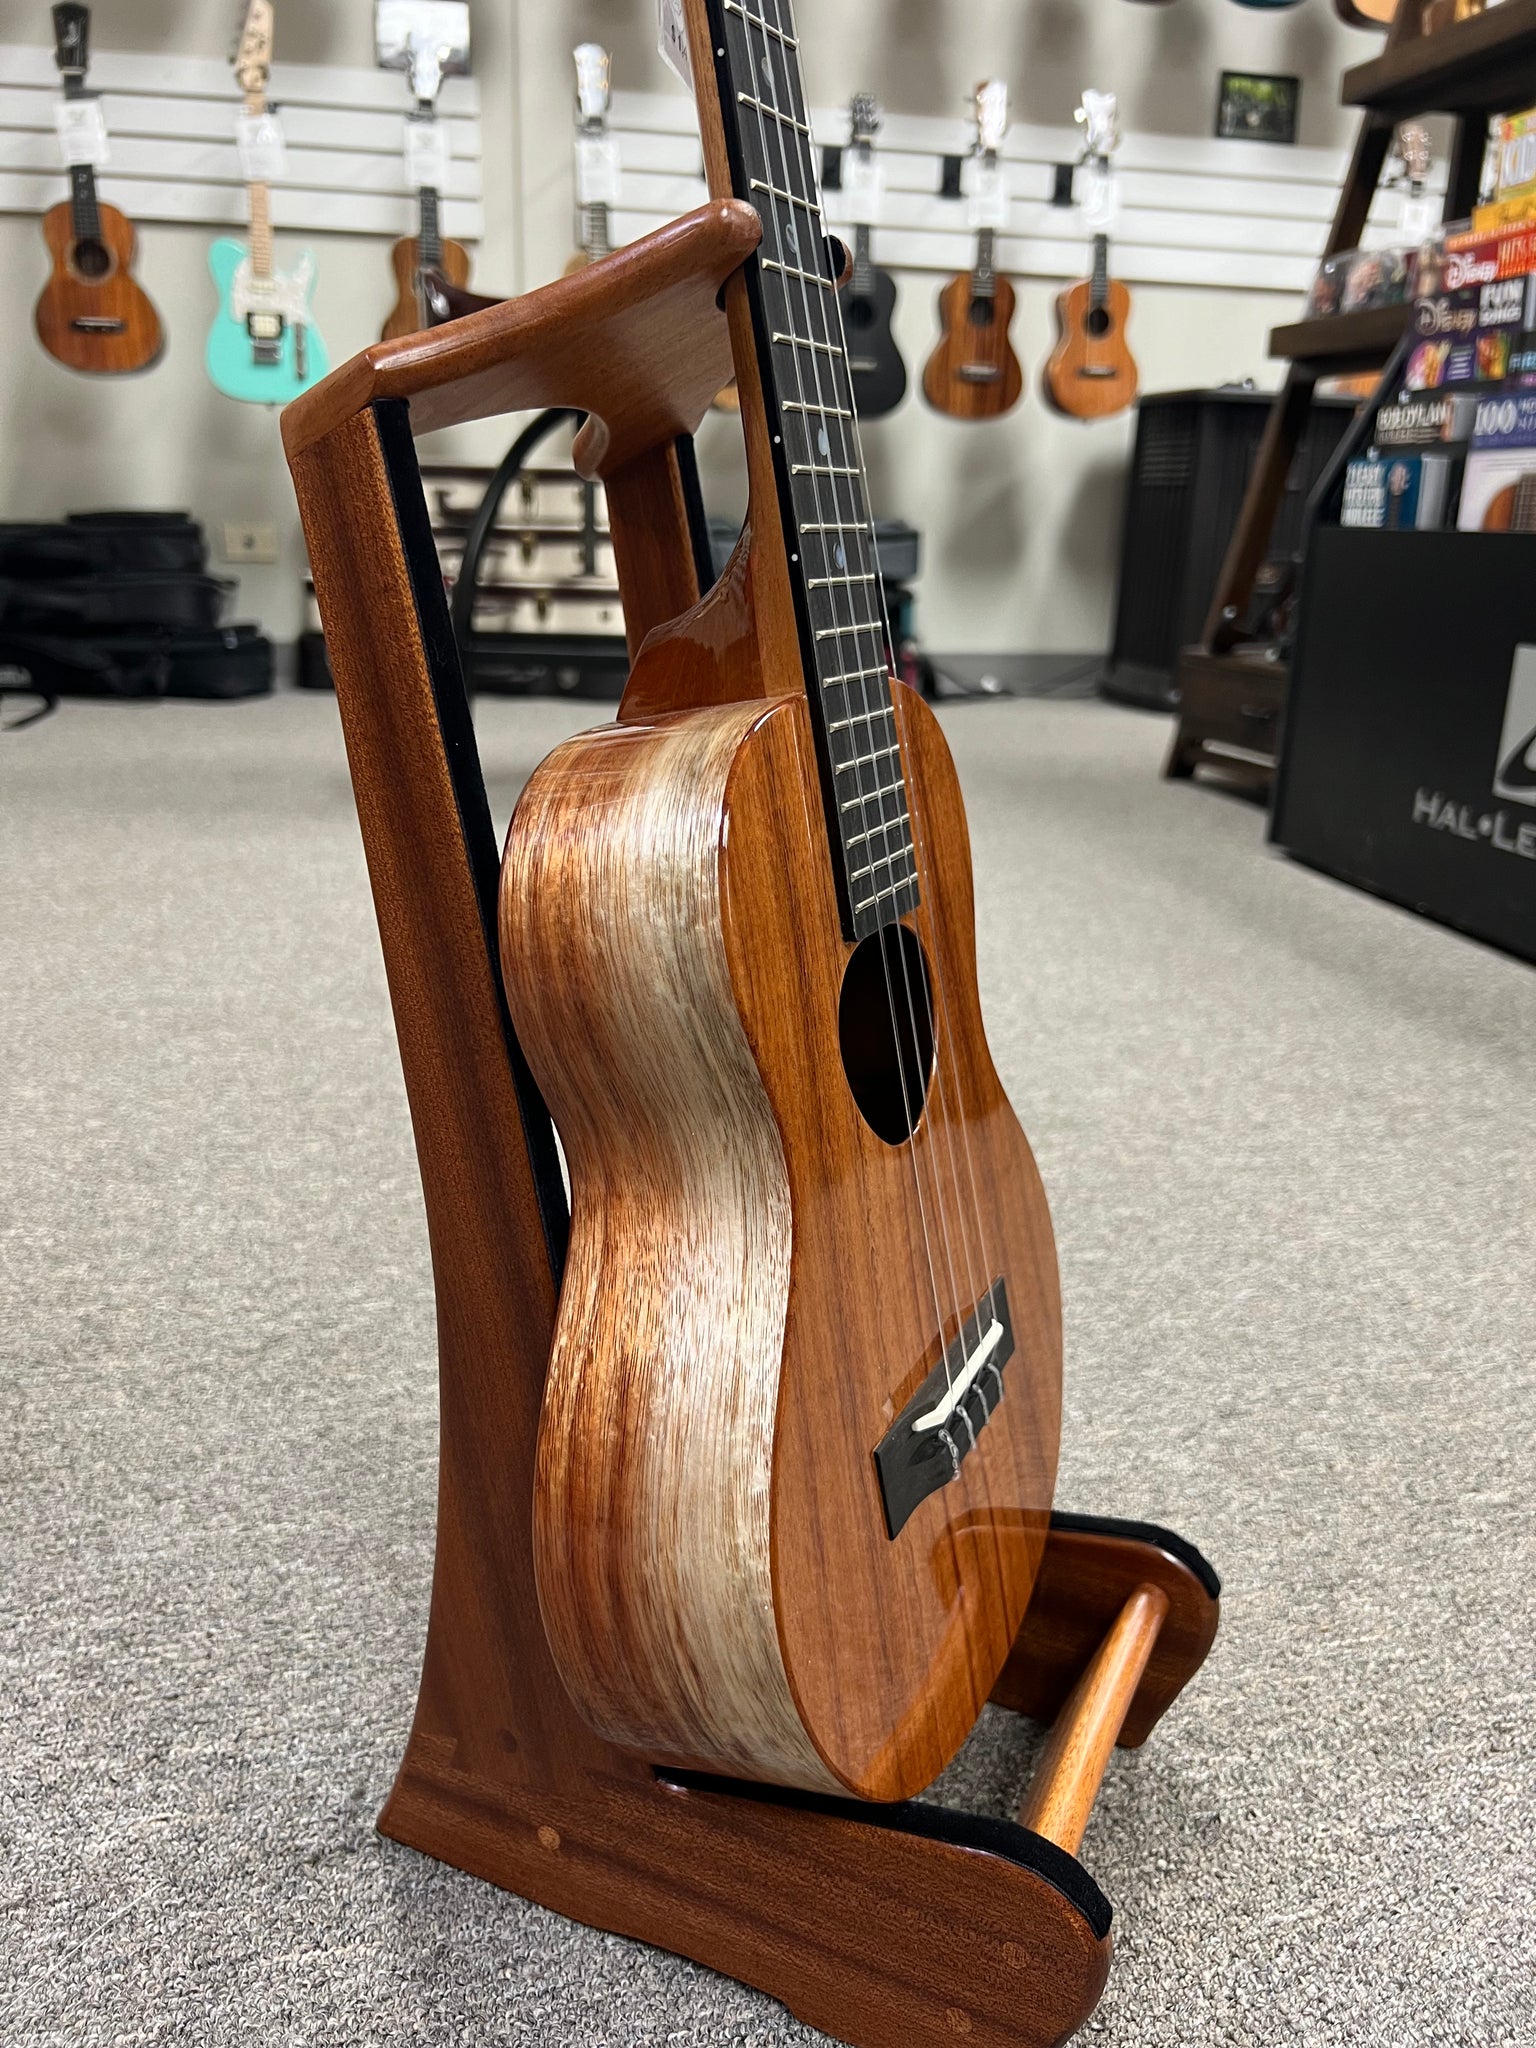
865,760
735,7
855,675
831,412
824,582
778,192
891,825
887,860
805,341
790,270
869,717
747,99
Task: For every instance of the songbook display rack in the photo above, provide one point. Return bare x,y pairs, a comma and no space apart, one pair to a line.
884,1926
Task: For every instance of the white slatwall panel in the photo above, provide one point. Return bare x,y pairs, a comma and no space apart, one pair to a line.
1193,210
172,126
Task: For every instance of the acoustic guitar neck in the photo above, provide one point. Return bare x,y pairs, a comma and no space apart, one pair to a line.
763,153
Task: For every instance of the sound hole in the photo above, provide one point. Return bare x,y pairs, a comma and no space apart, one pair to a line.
92,259
860,313
983,312
1098,321
885,1028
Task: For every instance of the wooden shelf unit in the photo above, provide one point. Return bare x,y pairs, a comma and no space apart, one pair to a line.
1475,68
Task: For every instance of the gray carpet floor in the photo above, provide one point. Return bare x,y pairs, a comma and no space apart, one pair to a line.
1287,1131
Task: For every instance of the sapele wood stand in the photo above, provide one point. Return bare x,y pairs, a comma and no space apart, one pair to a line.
884,1926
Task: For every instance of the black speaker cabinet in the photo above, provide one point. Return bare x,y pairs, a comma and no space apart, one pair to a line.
1408,757
1194,451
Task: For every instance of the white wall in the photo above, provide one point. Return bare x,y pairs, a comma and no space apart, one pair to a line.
1020,519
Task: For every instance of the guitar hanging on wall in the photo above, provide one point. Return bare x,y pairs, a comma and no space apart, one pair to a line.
263,346
869,297
800,1418
597,167
1091,372
973,373
427,265
92,314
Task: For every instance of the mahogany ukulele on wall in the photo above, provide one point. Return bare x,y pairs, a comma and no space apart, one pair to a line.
973,372
800,1421
427,265
1091,372
92,314
869,297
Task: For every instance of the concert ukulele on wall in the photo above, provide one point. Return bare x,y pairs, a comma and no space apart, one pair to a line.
263,346
869,297
427,265
973,372
799,1426
92,314
1091,372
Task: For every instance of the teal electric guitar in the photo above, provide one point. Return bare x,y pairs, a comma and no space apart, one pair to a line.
264,345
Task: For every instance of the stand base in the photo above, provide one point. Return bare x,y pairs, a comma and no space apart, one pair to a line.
883,1926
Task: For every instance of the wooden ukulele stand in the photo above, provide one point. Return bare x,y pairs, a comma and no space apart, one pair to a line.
883,1926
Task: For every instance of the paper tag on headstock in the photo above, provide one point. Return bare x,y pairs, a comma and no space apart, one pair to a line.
259,138
1420,216
82,133
672,39
597,170
426,154
863,186
987,192
1098,194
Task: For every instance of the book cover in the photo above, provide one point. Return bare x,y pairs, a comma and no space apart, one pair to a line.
1423,422
1498,491
1382,491
1505,420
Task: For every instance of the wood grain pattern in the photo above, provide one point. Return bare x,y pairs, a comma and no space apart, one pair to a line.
70,296
1089,376
973,373
1070,1771
407,315
889,1648
604,340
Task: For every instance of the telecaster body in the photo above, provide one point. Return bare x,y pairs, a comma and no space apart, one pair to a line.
273,373
756,1278
92,315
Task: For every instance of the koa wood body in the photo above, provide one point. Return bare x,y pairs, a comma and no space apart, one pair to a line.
748,1301
93,314
416,286
973,372
1091,372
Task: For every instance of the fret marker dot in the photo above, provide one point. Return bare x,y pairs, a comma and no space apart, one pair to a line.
840,556
823,443
792,237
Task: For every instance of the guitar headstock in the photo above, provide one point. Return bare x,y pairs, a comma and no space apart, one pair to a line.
594,86
1099,119
863,120
71,43
991,115
253,49
1416,151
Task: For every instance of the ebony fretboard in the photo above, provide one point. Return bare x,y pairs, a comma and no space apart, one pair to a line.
823,501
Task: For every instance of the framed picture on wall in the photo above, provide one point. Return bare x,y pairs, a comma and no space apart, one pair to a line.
1257,107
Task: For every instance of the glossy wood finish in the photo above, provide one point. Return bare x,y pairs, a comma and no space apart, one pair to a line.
1090,376
1485,64
973,373
1071,1770
70,296
603,340
1367,13
408,316
670,934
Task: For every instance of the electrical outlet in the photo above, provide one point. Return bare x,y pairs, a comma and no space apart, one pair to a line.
249,543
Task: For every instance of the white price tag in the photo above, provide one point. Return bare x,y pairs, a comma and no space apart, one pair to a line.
863,186
1098,193
426,154
597,170
1420,216
260,141
672,39
82,132
988,194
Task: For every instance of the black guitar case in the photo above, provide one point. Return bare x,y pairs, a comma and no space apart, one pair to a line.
118,601
235,661
105,544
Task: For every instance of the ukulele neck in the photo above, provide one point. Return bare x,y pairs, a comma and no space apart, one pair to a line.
1098,289
599,234
984,269
84,211
823,506
863,263
429,233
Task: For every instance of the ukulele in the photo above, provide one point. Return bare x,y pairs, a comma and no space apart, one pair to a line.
92,314
869,297
973,372
263,346
1091,372
427,265
799,1426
